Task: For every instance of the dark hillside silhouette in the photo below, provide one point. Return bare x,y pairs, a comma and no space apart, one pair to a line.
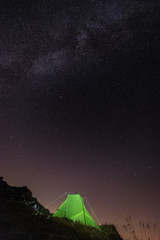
23,217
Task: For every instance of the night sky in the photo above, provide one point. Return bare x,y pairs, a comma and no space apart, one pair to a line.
80,103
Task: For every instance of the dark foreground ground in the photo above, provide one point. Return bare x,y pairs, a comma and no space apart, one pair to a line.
22,217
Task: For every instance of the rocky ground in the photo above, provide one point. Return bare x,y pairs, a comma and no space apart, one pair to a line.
23,217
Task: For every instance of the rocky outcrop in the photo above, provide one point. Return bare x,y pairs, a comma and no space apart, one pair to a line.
22,217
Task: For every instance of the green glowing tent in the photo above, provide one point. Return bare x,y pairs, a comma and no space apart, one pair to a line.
73,208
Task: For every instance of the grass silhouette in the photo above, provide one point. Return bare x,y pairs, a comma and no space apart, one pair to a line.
142,231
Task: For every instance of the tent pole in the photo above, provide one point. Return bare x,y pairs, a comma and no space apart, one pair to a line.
92,211
83,209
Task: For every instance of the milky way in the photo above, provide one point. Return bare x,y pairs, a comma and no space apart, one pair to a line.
79,102
72,36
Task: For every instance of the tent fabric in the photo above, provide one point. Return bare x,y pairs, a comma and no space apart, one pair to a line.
73,208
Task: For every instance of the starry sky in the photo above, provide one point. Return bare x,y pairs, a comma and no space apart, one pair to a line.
80,102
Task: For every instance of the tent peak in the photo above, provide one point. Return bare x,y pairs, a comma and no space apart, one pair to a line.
73,193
